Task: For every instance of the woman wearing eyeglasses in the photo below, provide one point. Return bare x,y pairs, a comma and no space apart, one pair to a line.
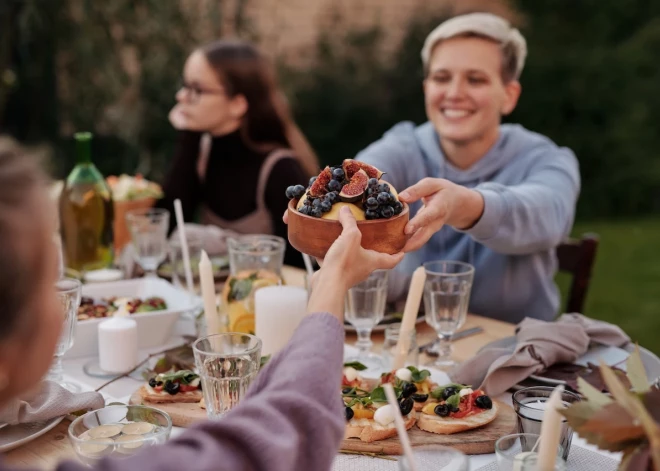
239,148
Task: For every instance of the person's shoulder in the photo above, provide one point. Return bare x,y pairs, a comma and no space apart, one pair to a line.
523,143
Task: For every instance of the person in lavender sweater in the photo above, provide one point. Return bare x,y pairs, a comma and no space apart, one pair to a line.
292,417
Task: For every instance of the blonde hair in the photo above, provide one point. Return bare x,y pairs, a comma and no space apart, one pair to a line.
487,26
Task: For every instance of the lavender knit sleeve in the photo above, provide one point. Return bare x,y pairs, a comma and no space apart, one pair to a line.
292,418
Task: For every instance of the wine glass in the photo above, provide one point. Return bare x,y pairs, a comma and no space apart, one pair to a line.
148,228
68,293
446,298
365,307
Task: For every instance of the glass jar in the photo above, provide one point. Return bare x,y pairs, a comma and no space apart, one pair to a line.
255,261
390,343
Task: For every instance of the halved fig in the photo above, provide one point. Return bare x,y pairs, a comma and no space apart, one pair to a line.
353,191
351,167
319,186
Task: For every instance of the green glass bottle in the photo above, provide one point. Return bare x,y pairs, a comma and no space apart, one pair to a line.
86,213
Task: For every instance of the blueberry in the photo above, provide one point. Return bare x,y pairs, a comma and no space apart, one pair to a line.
384,188
334,185
349,414
442,410
317,203
371,214
289,192
305,210
371,203
338,174
397,207
386,212
484,402
326,206
373,182
298,191
406,405
316,212
332,196
383,198
420,397
408,389
448,392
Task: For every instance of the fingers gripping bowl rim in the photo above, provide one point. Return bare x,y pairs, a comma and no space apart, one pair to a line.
314,236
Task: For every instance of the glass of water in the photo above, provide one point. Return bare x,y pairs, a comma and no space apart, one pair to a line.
365,307
446,298
148,228
227,365
68,293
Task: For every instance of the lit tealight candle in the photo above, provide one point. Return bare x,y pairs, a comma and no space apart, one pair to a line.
278,311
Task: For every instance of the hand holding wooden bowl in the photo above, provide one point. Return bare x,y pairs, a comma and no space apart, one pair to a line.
313,213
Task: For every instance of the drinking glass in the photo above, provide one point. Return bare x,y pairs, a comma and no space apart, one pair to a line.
177,266
511,450
392,332
227,365
365,307
148,228
446,298
68,293
435,458
529,404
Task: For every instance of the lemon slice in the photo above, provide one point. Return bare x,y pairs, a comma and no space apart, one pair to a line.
104,431
137,428
128,443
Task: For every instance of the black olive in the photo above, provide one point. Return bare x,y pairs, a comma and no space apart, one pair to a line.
152,382
483,402
408,389
406,405
346,390
171,387
448,392
159,383
349,414
420,397
442,410
455,409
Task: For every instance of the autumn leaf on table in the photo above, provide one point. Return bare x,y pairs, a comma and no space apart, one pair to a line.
627,421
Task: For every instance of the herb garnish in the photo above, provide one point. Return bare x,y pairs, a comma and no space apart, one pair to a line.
437,392
355,365
418,375
240,289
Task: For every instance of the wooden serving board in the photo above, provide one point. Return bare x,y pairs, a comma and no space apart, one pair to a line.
478,441
182,414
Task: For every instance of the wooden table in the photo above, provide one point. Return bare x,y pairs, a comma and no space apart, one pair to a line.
54,446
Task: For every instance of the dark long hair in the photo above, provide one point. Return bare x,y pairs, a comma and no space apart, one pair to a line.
267,124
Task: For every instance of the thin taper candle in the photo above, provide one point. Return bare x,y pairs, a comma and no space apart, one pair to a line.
550,431
208,295
409,317
178,212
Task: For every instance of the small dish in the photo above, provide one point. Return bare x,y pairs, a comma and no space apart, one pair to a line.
314,236
118,431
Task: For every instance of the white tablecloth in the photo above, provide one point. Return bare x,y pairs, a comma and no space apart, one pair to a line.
122,389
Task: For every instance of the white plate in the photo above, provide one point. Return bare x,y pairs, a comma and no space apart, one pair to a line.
154,328
13,436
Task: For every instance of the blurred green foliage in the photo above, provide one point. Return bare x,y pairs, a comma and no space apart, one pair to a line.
590,84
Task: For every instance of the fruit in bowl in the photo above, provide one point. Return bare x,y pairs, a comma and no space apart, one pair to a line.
313,211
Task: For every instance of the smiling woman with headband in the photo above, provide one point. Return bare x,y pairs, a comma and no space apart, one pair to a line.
495,195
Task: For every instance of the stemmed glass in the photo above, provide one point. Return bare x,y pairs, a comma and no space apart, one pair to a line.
148,228
68,293
365,307
446,298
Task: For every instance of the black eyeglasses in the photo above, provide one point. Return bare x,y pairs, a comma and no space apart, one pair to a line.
195,92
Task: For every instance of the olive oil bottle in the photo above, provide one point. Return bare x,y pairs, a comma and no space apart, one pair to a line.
86,213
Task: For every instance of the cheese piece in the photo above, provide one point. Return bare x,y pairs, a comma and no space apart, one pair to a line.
351,374
404,374
465,392
384,415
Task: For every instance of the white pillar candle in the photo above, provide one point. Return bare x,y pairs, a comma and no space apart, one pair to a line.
278,311
118,344
550,431
207,284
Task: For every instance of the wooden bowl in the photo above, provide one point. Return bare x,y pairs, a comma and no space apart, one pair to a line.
314,236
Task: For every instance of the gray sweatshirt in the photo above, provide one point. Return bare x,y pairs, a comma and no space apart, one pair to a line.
291,419
530,188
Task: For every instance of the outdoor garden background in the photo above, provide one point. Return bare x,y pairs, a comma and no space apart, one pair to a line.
351,69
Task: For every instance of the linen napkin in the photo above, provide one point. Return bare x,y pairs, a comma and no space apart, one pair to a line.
539,345
47,401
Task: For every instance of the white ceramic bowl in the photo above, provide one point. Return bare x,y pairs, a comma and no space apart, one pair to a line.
154,328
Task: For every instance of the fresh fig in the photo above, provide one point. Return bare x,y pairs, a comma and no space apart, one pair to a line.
353,191
351,167
319,187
